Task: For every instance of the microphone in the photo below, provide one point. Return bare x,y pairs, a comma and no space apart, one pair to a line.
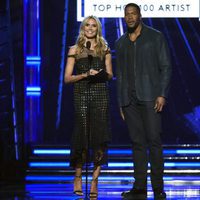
88,44
90,57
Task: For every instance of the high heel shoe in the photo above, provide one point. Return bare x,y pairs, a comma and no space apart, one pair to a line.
93,195
78,192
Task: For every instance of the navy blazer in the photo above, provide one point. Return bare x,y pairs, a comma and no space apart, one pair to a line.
152,66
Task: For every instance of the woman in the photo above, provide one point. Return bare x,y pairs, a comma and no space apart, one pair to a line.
90,56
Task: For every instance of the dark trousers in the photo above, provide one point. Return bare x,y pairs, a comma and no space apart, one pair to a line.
144,126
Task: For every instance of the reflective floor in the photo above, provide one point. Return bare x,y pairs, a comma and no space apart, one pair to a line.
176,187
49,176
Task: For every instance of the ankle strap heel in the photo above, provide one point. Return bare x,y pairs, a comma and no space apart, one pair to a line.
94,194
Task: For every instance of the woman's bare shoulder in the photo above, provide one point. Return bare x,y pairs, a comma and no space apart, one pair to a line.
72,50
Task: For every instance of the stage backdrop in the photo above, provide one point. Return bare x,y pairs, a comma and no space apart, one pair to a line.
182,113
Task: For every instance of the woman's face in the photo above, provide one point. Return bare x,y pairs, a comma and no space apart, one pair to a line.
90,29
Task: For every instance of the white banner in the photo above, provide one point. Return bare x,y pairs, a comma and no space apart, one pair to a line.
149,8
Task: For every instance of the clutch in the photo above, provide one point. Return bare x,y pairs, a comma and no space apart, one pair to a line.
101,77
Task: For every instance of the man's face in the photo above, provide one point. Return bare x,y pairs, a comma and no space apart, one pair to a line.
132,17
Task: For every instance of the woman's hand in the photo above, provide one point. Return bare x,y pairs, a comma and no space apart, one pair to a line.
92,72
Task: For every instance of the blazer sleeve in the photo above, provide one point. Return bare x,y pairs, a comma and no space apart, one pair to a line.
164,66
118,73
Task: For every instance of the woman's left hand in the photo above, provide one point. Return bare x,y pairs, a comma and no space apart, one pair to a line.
93,72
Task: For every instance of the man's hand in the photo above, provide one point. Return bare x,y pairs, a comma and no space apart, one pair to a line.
160,102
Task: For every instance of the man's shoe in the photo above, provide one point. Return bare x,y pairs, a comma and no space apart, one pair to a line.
134,194
159,195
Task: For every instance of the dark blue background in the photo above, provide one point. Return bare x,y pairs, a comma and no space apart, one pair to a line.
181,116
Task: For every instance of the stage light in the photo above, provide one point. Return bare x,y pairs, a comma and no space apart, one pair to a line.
33,129
51,151
37,63
116,164
33,94
49,164
33,58
117,151
166,164
106,178
33,89
188,151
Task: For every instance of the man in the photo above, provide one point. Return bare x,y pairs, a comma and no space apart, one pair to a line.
143,75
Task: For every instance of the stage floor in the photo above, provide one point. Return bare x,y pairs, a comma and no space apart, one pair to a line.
176,187
49,176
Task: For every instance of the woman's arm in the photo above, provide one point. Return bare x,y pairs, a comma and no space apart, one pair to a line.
69,77
108,63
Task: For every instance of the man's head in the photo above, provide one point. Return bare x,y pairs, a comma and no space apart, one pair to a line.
132,16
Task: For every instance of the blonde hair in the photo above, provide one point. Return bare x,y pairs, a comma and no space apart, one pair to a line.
101,44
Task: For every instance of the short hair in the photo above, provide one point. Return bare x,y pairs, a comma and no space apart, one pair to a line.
132,5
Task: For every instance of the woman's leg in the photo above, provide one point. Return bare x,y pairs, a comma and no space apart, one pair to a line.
78,181
94,183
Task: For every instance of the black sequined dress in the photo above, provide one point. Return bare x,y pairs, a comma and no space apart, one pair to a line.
91,103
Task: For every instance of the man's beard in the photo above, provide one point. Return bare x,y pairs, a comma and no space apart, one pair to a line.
132,29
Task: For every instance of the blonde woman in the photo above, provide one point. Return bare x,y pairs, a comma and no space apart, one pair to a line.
89,57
